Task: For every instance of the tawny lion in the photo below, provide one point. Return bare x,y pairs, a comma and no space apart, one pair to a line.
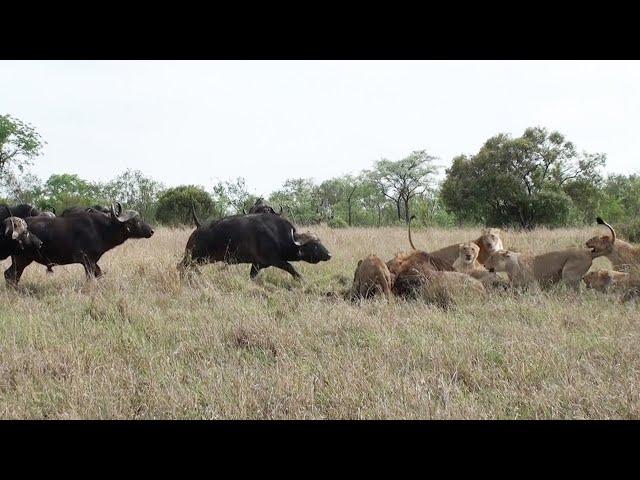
569,265
604,280
467,262
621,254
488,242
371,277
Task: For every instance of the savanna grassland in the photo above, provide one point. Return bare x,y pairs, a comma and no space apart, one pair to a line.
139,343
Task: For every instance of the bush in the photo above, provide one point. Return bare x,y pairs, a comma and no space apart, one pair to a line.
337,222
174,205
631,231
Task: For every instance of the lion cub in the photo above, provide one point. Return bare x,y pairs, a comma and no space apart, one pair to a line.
467,260
371,277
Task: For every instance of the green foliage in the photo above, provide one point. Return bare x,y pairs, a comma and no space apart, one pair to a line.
631,230
20,143
174,205
135,192
526,181
65,190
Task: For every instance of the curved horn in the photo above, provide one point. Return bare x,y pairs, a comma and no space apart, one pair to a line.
193,214
613,232
119,208
293,237
33,209
53,210
280,210
409,228
113,212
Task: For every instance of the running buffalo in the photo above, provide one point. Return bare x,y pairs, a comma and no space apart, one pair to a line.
23,210
81,238
259,239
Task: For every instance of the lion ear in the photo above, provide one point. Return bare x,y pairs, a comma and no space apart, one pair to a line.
359,262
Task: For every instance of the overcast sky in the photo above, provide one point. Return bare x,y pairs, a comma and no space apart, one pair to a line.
199,122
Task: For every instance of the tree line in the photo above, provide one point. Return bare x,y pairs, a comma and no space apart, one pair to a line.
537,179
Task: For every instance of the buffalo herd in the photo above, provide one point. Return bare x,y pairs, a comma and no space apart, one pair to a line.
81,235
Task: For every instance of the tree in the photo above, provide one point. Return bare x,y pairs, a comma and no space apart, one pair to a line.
300,197
66,190
19,143
174,205
525,180
402,180
22,188
135,191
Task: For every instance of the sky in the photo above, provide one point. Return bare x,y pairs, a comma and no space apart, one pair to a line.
200,122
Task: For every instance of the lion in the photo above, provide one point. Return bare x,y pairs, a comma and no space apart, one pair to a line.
415,275
467,260
604,280
620,253
371,277
532,271
445,289
488,242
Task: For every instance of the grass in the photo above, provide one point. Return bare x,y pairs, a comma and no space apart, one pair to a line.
140,344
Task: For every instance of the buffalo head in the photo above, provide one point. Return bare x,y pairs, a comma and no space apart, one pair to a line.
134,226
310,249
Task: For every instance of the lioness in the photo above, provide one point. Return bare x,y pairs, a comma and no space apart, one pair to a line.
530,271
467,260
604,280
621,254
371,277
488,242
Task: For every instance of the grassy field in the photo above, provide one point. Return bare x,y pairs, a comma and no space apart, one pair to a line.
140,344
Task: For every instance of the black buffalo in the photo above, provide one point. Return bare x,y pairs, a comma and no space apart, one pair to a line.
263,207
81,238
261,240
16,238
23,210
95,208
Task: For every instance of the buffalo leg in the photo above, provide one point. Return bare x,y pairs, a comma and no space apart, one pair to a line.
91,268
97,271
14,272
255,268
287,267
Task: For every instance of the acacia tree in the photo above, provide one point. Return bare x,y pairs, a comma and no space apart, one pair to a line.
19,143
402,180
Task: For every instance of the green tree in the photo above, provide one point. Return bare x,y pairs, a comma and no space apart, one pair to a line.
66,190
19,143
174,205
402,180
135,192
525,181
300,198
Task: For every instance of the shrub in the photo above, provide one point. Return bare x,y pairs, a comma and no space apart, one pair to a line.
174,205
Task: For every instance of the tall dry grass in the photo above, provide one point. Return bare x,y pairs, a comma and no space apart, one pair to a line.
140,344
